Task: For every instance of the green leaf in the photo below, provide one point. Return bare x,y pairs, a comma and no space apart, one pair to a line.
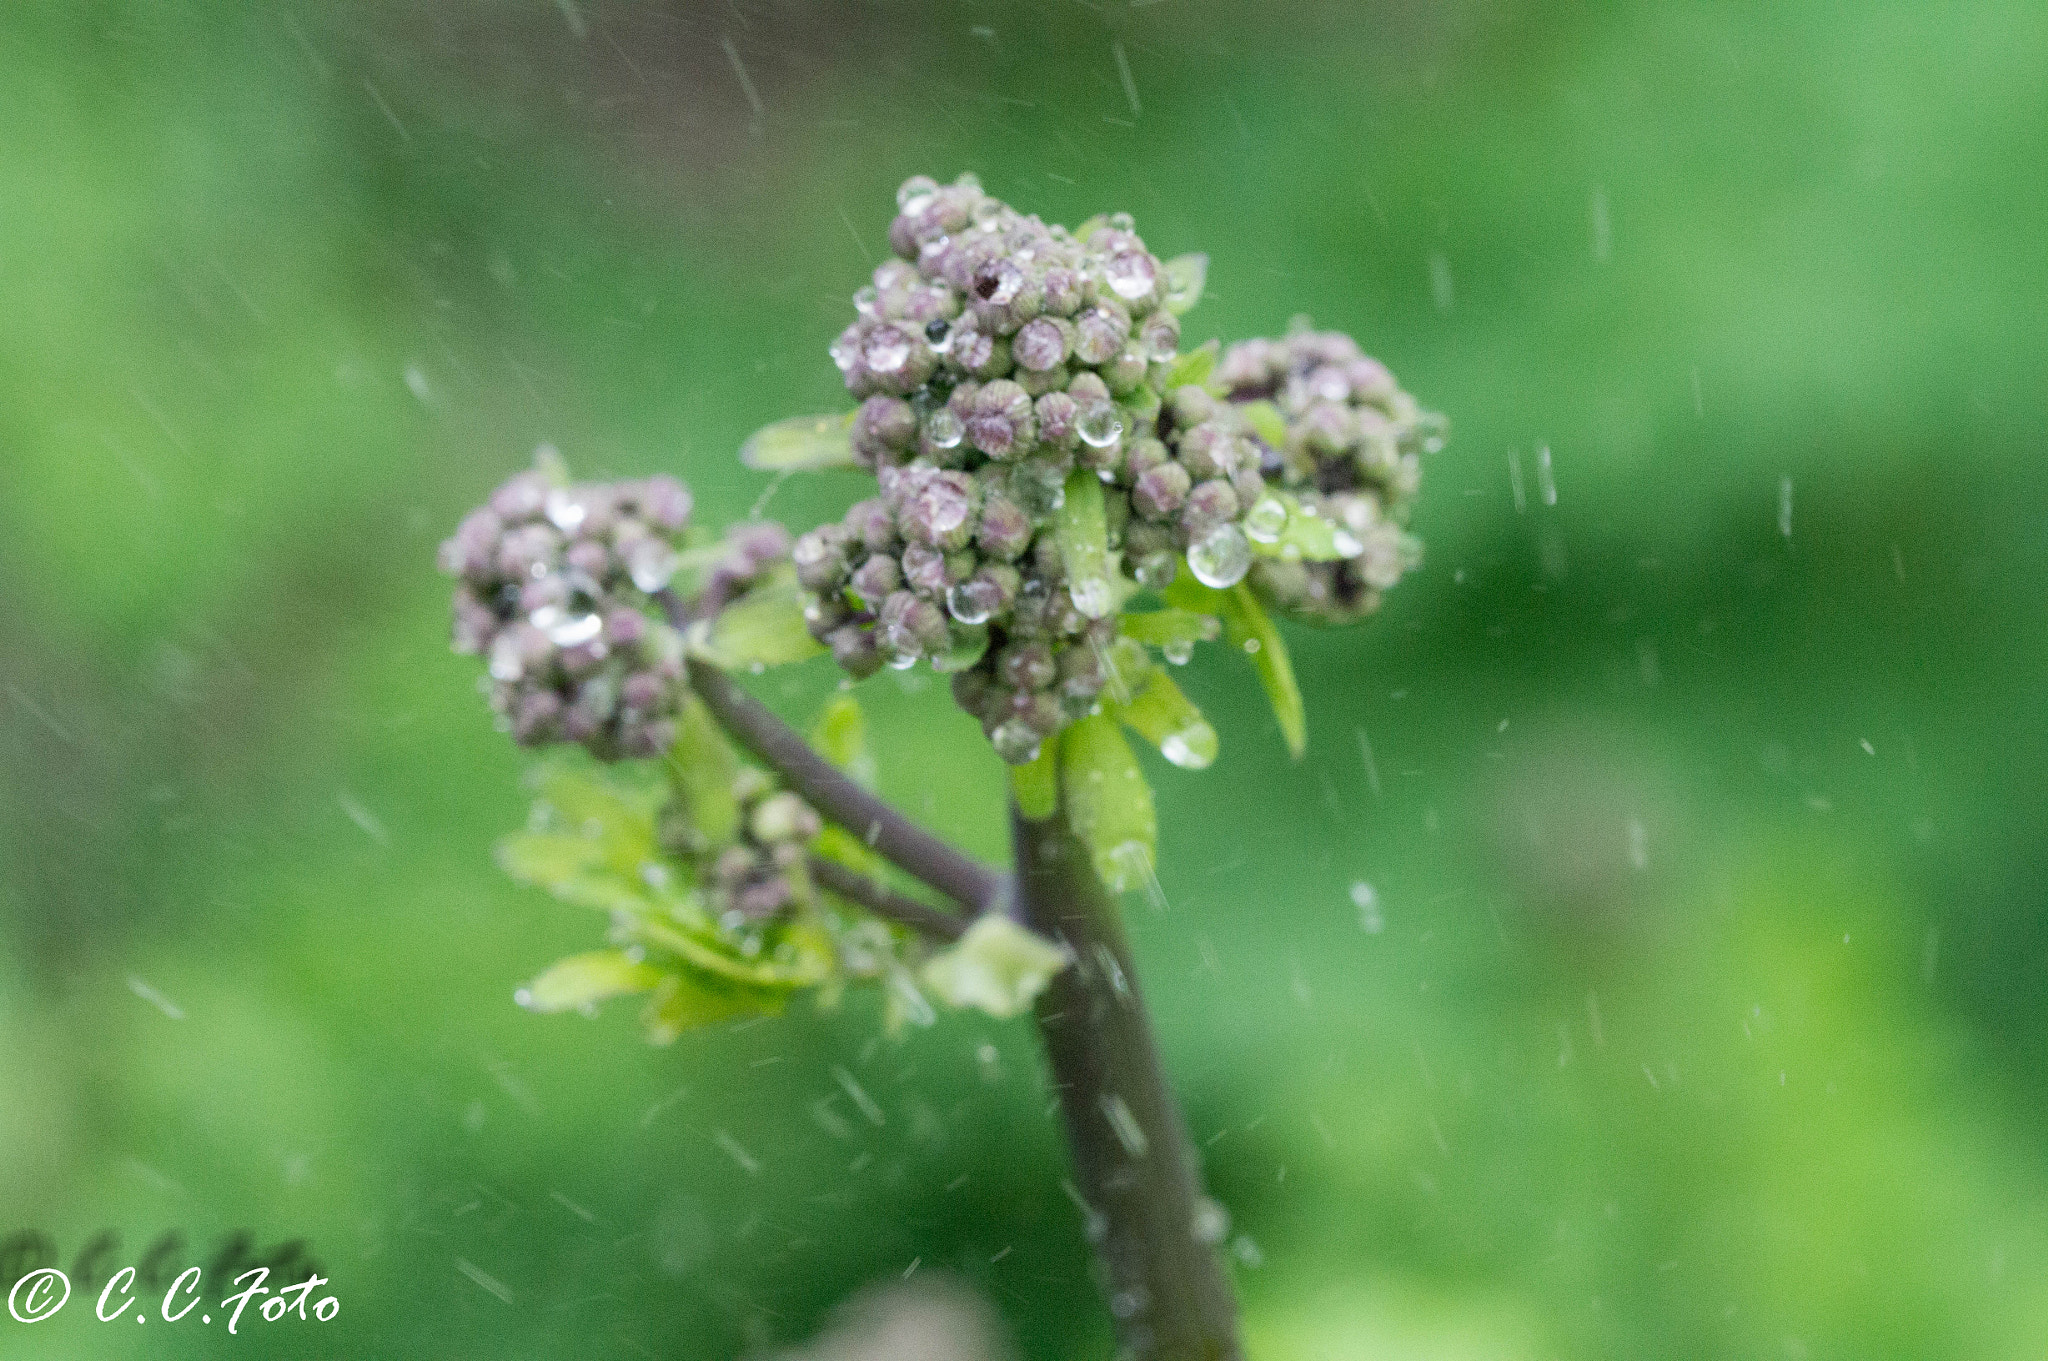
1109,805
1090,227
1303,536
1171,628
997,966
1186,276
1248,629
701,768
840,734
1169,720
801,444
585,980
1194,367
684,1001
1035,784
1266,422
575,869
1081,529
765,627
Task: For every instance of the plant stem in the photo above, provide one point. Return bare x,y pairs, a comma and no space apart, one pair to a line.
885,902
838,796
1152,1229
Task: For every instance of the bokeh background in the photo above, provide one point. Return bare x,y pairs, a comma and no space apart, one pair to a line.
1647,960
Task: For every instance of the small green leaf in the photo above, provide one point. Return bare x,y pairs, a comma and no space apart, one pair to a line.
801,444
765,627
701,769
1171,628
1248,629
685,1001
1194,367
1090,227
1035,784
575,869
1169,720
1186,276
1266,422
997,966
1303,536
1081,528
841,736
1109,805
585,980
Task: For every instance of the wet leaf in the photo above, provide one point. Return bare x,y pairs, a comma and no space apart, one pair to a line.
997,966
1169,720
701,768
1186,276
765,627
1304,537
585,980
1194,367
1171,628
683,1002
1266,422
1109,804
1081,529
1248,629
801,444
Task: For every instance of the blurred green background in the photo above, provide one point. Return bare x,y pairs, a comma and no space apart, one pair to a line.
1696,1008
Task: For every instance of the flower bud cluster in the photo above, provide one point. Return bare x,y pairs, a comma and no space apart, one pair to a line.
995,356
552,587
761,872
751,551
1352,456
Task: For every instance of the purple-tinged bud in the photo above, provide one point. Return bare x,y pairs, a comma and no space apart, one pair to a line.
874,579
820,557
1026,666
938,508
783,817
520,497
666,503
979,352
1209,505
534,721
1160,491
1159,337
528,551
624,627
1058,414
590,559
1005,530
470,550
642,691
1144,455
1042,344
1326,429
1002,425
883,429
1063,291
1041,712
853,648
1211,450
896,358
1100,333
1133,276
475,623
872,523
924,570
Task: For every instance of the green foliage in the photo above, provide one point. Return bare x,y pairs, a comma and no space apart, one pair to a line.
1248,629
1304,536
997,966
801,444
1082,533
1169,720
1108,801
582,981
1186,277
1035,784
702,768
1191,368
763,628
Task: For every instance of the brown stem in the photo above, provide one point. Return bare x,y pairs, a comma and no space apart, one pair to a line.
885,902
839,797
1153,1230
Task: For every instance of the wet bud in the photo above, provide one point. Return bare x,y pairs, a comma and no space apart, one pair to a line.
883,430
783,817
1209,505
1043,344
1160,491
1100,333
872,523
924,570
1002,425
853,648
875,578
939,508
1026,666
820,558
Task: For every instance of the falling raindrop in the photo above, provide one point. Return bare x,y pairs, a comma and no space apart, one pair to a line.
1367,902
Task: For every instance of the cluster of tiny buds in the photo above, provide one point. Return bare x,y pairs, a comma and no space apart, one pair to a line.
552,587
995,357
750,552
1351,455
760,874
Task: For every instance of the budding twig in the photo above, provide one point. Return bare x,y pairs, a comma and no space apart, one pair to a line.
884,901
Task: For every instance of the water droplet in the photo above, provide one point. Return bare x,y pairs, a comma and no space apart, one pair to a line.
651,563
915,194
1434,429
943,429
844,353
968,604
1015,741
506,663
1192,748
1093,596
1221,557
887,349
1131,275
523,998
1346,544
865,299
1264,522
564,629
565,510
1038,492
1178,651
1156,570
1368,904
964,647
1100,426
1123,222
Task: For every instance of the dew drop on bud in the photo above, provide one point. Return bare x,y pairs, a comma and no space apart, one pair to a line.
1131,275
1264,522
943,429
887,349
1178,651
1347,544
1015,741
915,193
1093,596
844,354
1100,426
565,510
1156,570
1221,557
864,299
966,604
